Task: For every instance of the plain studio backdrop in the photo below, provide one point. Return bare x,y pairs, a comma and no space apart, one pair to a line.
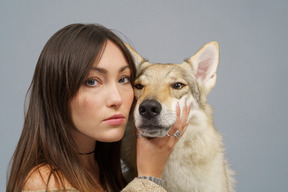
250,96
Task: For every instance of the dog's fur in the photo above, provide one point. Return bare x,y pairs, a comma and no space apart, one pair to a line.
197,163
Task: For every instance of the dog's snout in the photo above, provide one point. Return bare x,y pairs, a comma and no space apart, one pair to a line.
149,109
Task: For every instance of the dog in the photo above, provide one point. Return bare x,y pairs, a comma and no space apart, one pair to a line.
197,163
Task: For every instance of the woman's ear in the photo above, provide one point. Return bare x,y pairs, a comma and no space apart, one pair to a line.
205,63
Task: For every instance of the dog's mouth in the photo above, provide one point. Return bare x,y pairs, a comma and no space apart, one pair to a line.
153,130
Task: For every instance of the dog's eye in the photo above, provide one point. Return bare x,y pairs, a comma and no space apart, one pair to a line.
139,86
178,86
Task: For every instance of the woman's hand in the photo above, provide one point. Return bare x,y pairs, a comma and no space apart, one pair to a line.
153,154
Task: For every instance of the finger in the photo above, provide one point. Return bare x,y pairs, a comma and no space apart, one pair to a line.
189,109
181,124
178,134
185,122
178,111
185,127
175,127
186,112
182,121
178,118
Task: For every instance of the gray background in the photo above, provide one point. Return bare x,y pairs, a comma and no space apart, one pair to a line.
250,97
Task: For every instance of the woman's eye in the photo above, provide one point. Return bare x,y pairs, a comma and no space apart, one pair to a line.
178,86
125,80
92,82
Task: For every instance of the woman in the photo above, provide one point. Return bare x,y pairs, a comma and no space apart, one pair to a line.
80,98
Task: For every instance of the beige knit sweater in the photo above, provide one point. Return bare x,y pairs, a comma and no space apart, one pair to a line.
137,185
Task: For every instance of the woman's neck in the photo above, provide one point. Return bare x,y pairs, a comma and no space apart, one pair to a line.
90,165
85,147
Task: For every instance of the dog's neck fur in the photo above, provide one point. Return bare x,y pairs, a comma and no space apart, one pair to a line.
202,139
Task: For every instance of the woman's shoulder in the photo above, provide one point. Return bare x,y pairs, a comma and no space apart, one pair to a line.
41,177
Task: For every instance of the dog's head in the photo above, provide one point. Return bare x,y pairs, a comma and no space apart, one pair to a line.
158,87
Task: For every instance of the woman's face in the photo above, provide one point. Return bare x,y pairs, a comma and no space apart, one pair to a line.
100,109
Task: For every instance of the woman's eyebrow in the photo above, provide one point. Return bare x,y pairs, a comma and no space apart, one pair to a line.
105,71
100,70
124,68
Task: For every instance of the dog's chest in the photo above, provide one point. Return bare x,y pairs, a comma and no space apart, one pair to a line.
184,172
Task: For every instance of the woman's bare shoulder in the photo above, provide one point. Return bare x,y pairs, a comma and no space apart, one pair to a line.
38,178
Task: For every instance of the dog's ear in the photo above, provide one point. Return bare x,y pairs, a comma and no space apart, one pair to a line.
205,63
137,58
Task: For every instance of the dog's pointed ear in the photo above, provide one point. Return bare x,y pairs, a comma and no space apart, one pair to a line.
205,63
137,58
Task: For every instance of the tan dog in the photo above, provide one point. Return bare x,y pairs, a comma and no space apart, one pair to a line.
197,163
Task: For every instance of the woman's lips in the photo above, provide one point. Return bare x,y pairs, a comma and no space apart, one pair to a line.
117,119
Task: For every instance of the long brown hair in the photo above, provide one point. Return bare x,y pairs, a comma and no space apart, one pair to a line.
62,66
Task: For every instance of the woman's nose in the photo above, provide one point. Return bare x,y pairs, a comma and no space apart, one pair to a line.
114,98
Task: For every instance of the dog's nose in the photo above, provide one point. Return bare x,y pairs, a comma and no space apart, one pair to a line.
149,109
